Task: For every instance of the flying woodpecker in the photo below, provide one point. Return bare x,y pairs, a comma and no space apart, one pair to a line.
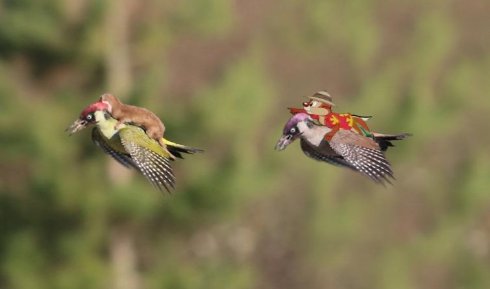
345,148
131,146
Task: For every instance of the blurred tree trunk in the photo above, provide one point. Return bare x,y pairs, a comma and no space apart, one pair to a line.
118,67
117,55
119,82
124,259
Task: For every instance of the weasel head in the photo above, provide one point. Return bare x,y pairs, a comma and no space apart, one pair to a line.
110,100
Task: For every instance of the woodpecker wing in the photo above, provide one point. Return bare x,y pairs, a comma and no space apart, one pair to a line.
152,160
325,153
362,153
113,148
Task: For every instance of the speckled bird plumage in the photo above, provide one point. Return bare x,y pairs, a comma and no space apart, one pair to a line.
138,150
346,148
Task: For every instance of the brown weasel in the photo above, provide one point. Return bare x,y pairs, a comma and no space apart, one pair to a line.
139,116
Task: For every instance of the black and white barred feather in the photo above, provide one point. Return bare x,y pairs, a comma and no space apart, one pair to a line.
153,166
121,157
370,162
331,158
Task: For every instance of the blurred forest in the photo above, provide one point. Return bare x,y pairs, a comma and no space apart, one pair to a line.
220,74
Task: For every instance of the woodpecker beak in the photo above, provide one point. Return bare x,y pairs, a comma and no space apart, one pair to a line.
283,142
76,126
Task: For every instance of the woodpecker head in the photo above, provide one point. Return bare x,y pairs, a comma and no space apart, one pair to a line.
293,129
87,117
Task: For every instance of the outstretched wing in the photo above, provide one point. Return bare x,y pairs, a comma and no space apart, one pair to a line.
324,153
149,157
120,155
363,154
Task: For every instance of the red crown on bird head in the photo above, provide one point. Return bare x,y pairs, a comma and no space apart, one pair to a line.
99,105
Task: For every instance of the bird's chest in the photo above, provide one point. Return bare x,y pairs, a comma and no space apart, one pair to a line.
315,134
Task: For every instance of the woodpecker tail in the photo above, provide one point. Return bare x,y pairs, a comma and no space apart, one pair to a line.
177,149
384,140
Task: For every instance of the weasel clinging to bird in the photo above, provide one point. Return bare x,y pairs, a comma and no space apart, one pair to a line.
139,116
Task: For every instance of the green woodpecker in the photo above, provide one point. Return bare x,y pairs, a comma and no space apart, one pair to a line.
131,146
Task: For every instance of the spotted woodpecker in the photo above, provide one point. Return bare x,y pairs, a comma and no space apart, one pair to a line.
346,148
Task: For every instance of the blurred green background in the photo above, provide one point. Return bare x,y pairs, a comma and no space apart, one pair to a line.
220,74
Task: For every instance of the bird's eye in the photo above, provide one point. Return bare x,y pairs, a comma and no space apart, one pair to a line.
306,104
89,117
292,131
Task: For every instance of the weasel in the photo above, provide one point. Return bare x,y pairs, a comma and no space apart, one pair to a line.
139,116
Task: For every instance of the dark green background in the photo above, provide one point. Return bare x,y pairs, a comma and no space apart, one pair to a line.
220,74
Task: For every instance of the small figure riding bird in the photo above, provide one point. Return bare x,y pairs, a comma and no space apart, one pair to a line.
133,136
340,139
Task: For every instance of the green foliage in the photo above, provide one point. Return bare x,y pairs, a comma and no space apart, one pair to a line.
208,17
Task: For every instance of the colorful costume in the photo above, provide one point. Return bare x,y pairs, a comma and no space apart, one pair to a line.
319,108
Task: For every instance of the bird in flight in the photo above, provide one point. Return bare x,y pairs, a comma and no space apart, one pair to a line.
343,140
131,146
